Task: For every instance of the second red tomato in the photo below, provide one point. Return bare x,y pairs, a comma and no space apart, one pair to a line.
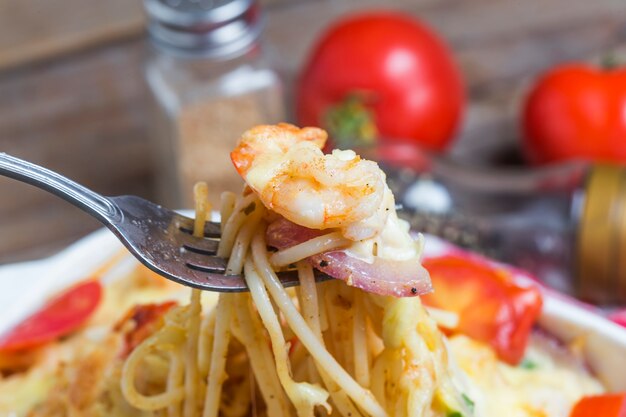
403,70
577,112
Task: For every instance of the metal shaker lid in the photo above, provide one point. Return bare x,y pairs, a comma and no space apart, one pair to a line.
207,27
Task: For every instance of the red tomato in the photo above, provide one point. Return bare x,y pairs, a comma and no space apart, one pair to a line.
607,405
402,68
577,111
491,307
60,316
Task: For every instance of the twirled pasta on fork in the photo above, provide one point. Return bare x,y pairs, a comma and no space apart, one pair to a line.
357,346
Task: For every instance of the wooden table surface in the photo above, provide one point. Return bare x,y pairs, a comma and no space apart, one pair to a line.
72,95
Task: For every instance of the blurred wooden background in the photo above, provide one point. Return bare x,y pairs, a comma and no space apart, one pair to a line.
72,95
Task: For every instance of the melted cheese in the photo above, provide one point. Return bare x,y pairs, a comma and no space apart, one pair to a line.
392,242
547,389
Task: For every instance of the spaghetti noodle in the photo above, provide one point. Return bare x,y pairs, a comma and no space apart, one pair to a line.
355,363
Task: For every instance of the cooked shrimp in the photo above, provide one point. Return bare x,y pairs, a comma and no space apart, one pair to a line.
286,167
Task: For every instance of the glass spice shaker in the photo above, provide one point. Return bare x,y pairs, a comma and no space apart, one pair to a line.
211,79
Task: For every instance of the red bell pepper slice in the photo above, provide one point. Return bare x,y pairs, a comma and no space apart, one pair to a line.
60,316
492,308
607,405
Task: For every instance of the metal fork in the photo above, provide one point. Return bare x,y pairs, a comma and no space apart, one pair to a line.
159,238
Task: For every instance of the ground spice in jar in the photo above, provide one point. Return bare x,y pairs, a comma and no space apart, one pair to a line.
209,131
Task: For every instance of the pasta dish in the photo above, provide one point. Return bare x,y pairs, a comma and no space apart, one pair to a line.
362,344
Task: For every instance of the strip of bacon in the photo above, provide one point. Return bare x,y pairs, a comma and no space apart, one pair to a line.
383,276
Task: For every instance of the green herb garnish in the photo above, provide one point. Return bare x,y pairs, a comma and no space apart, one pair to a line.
468,401
528,364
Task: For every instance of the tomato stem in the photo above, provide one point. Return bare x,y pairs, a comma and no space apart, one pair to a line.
609,61
350,122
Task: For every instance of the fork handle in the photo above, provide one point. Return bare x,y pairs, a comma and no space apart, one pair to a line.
93,203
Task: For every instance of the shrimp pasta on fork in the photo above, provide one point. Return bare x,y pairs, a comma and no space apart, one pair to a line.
359,345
